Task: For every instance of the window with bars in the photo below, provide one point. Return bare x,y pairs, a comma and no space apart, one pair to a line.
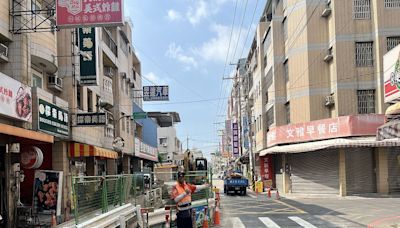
364,54
366,101
392,3
287,112
270,117
361,9
285,29
286,70
392,42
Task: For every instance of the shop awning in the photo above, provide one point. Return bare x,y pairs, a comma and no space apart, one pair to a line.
84,150
24,133
331,144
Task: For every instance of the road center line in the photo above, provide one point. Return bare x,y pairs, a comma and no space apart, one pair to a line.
301,222
268,222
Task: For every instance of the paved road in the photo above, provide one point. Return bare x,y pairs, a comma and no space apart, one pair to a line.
259,211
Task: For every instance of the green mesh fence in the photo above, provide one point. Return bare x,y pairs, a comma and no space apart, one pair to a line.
101,194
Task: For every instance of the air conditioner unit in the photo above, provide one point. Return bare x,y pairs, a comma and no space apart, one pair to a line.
329,101
108,71
164,144
328,58
3,50
55,83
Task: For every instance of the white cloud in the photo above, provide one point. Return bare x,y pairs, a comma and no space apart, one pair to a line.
174,15
216,48
176,52
200,11
151,76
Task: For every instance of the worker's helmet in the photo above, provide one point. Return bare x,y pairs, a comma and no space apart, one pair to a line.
181,174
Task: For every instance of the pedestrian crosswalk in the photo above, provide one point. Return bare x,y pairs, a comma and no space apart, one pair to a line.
277,222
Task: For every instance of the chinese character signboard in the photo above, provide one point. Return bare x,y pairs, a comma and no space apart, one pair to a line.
88,57
53,119
391,66
344,126
235,139
143,150
91,119
155,93
15,99
78,13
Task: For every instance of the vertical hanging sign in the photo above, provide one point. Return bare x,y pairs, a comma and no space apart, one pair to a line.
88,56
235,139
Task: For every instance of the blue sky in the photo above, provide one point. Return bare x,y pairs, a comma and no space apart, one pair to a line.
184,44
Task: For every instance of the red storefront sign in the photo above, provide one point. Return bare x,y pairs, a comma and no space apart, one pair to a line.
344,126
84,13
391,66
266,167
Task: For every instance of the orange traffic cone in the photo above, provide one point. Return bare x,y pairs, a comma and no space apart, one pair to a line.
269,193
53,220
277,195
205,221
217,216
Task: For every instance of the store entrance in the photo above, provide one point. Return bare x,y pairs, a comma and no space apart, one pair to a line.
3,190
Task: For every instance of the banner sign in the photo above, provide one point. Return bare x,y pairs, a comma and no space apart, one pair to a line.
91,119
15,99
235,139
246,143
53,119
391,66
77,13
47,191
344,126
88,57
155,93
143,150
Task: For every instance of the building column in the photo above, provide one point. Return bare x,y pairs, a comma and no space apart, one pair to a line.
342,172
382,170
286,175
60,162
111,167
126,164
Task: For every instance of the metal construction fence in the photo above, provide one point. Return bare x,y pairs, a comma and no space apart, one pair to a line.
99,194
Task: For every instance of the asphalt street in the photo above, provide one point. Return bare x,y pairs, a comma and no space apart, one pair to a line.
260,211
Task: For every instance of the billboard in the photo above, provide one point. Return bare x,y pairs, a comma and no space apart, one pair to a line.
235,139
88,59
47,190
391,66
83,13
155,93
15,99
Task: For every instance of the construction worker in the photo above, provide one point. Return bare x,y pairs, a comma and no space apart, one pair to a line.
181,194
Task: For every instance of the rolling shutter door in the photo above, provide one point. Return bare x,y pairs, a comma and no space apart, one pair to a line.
315,172
278,168
394,169
360,176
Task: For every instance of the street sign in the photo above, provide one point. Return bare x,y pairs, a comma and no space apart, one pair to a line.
155,93
139,115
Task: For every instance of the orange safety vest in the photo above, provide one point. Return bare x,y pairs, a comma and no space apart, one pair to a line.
184,203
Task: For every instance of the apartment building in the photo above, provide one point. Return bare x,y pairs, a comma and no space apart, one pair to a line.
316,98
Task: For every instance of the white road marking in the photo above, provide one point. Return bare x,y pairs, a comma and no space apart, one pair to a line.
252,196
237,223
302,222
268,222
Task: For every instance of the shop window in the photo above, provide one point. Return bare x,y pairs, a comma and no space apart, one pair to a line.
287,111
364,54
366,101
78,96
361,9
90,100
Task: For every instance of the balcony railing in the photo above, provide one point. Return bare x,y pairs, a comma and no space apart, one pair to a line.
108,40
